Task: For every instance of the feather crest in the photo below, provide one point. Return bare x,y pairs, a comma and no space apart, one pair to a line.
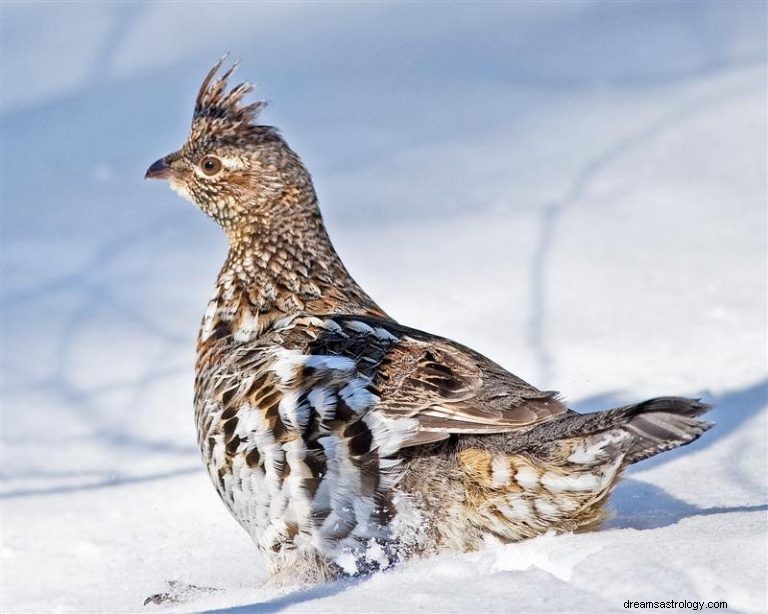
215,102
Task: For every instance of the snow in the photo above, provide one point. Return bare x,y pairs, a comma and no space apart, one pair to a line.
578,190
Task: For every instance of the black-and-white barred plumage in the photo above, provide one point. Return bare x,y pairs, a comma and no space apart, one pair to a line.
341,440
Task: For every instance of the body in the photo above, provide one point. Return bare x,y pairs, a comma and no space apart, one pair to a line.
341,440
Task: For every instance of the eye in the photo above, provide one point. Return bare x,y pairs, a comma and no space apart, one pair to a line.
210,165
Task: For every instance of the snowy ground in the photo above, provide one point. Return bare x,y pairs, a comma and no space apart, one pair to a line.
578,190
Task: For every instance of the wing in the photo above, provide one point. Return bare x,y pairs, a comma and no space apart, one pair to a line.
445,387
301,427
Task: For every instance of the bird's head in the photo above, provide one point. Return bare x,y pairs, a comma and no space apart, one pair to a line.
236,170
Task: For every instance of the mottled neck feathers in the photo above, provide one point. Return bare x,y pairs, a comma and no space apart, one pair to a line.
282,264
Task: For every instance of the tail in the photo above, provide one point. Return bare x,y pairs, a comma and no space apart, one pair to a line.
656,425
558,475
663,424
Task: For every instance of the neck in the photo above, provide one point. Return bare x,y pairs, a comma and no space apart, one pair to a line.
281,263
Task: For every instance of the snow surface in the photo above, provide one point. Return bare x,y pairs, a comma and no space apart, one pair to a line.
576,189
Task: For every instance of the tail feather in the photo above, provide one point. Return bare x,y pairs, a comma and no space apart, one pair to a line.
663,424
656,425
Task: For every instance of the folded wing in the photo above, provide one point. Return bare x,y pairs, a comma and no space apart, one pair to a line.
446,387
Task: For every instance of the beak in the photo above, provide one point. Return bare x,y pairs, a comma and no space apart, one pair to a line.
159,170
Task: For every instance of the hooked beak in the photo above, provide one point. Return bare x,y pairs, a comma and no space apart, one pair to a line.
159,170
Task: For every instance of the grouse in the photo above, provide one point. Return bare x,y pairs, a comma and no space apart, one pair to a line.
341,440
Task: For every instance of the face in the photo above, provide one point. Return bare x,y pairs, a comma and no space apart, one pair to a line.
223,173
229,164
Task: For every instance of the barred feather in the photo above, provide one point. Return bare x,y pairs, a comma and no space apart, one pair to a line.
341,440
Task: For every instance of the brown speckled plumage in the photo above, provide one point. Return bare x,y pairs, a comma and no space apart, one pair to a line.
341,440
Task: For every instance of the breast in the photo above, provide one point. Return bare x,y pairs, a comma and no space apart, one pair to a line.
297,453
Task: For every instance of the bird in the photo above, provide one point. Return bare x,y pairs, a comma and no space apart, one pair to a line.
342,441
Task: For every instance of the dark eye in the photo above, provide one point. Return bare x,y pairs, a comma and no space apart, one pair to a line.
210,165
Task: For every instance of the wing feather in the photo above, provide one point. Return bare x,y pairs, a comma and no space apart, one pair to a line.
448,388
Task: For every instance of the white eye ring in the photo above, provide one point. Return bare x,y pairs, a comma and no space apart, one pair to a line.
210,165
